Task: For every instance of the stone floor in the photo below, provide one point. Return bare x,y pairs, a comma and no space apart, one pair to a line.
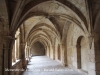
42,65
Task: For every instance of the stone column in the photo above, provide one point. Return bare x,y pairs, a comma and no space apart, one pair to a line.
1,59
7,54
56,49
51,52
1,50
56,52
1,47
29,52
53,48
23,55
91,52
13,54
18,46
95,55
25,52
59,52
47,51
6,57
63,55
16,49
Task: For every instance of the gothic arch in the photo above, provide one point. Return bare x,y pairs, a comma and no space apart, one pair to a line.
76,13
82,53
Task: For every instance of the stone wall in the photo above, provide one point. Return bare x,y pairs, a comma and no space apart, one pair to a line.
73,57
17,67
37,49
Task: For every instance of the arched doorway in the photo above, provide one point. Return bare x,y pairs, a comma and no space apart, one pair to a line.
82,53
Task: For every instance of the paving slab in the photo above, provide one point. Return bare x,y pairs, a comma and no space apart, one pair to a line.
42,65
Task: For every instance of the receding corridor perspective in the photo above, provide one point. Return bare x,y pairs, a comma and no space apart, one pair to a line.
42,65
38,34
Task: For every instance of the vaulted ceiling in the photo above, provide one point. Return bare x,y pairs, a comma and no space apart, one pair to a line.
46,20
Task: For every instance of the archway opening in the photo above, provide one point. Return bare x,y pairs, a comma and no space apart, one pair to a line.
38,49
82,54
79,52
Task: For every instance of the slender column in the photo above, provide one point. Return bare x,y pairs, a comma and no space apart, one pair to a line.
47,51
51,52
59,52
94,55
64,55
1,58
29,51
53,48
6,52
17,48
23,55
1,48
25,52
13,54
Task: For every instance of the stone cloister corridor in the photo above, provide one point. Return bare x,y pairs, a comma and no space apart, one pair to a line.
42,65
67,32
